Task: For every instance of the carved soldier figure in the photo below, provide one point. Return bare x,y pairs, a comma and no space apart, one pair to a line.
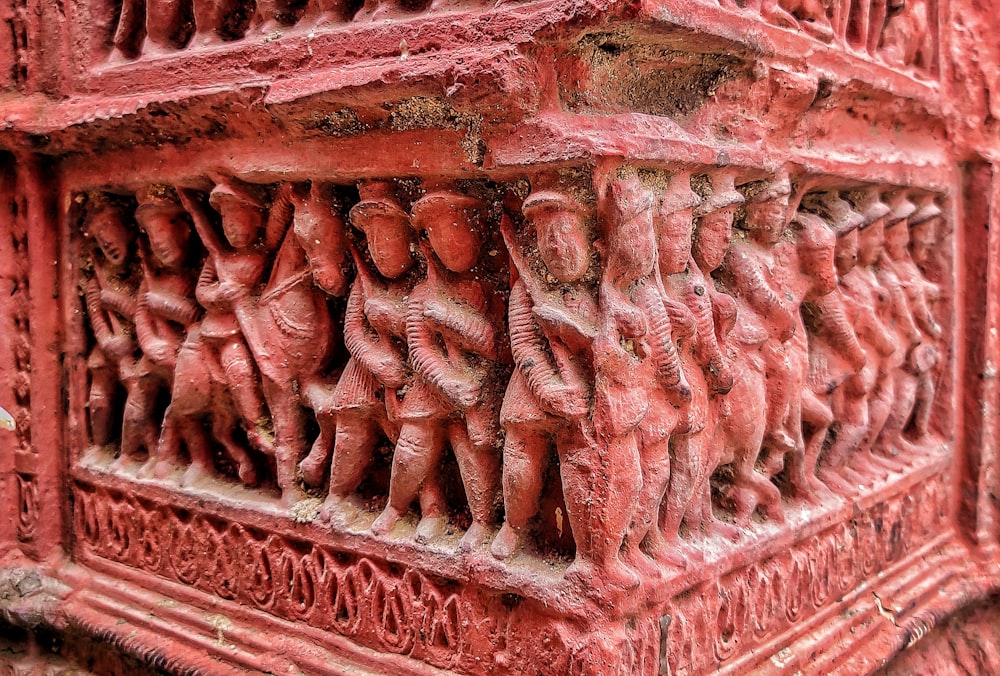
553,315
835,353
451,327
715,315
634,357
923,236
286,329
165,309
358,409
755,272
111,306
868,304
913,297
671,448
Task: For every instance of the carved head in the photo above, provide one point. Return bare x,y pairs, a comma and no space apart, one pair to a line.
452,223
816,244
845,221
923,229
561,232
768,211
391,240
715,221
846,253
241,210
627,229
319,230
166,224
675,223
897,231
871,237
106,224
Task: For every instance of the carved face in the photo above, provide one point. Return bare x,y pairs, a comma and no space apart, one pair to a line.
897,239
922,239
711,239
818,263
391,247
456,242
675,241
112,236
767,219
871,242
168,235
240,222
847,252
562,244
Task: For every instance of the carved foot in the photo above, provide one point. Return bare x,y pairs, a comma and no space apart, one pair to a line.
589,575
506,543
193,475
386,521
148,470
338,511
723,529
429,528
474,538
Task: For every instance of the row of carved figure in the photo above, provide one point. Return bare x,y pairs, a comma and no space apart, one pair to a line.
899,31
645,341
156,26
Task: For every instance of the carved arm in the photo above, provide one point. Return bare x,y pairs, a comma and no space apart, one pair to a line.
377,358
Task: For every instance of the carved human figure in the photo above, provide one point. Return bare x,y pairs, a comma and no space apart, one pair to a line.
552,319
923,237
285,329
727,432
848,461
634,357
166,307
452,323
764,272
216,377
913,297
358,413
111,307
835,353
671,449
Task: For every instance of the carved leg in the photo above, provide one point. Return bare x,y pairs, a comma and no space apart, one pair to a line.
241,376
128,33
655,463
600,503
890,439
198,449
289,436
524,453
139,429
685,478
924,404
357,434
480,468
819,417
223,424
103,385
417,452
168,448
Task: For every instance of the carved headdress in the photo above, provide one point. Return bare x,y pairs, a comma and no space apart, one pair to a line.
724,193
871,207
902,209
927,210
157,200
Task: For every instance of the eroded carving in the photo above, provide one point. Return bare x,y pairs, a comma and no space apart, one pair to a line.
681,353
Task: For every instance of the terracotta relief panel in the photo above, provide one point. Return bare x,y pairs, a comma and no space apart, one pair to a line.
398,409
